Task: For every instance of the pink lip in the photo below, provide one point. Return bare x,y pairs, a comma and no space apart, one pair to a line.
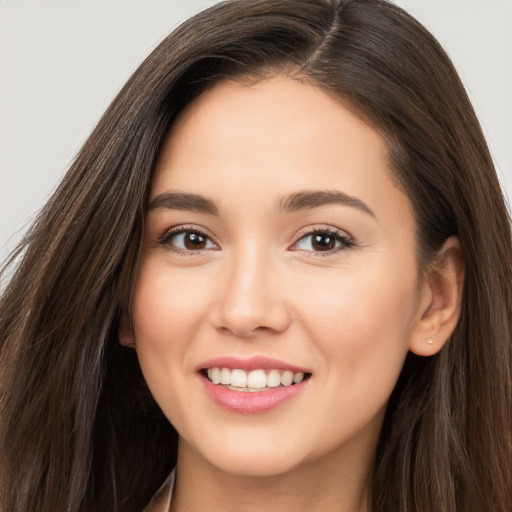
251,363
245,402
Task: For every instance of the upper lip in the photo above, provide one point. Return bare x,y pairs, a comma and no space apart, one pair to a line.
250,363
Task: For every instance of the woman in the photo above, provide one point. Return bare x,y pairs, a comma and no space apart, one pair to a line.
287,232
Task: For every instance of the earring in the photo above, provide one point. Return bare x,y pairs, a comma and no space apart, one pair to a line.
430,341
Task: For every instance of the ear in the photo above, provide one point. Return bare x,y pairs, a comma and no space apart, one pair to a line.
126,336
440,300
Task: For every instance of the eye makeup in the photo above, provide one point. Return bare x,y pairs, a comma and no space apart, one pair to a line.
189,240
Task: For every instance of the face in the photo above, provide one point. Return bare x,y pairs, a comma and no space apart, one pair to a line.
278,259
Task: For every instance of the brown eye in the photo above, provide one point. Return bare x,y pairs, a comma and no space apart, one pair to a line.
194,241
323,242
187,240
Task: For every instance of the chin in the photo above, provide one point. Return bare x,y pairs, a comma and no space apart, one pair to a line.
262,458
260,466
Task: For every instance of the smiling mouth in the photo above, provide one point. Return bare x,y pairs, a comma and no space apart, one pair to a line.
253,381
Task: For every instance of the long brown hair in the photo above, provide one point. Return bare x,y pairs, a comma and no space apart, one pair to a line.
79,430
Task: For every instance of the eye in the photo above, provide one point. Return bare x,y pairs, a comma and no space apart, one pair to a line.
324,240
187,240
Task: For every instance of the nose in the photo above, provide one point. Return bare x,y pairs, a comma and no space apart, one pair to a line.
250,298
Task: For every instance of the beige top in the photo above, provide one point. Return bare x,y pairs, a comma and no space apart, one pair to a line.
161,501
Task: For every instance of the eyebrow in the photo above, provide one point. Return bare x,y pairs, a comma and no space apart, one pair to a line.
303,200
313,199
184,201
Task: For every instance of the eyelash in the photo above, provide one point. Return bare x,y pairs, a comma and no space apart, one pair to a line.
174,232
340,237
344,240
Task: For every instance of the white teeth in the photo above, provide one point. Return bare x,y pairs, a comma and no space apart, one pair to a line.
215,375
253,381
225,376
273,379
257,379
238,378
287,378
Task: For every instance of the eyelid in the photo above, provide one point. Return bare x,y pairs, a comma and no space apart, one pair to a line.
323,228
171,232
347,240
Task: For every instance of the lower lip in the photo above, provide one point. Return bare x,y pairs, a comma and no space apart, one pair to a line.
246,402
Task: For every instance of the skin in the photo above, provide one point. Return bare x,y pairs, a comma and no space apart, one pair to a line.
257,286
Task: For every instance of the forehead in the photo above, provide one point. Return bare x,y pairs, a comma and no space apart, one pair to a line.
273,138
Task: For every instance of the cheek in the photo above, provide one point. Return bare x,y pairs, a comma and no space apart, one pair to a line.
361,329
166,307
362,319
165,315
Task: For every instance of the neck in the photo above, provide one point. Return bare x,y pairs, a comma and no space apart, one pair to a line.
335,482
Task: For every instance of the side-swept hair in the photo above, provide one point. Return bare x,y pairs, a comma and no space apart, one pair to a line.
79,430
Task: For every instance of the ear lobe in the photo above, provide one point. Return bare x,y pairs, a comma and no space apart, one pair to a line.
441,300
126,336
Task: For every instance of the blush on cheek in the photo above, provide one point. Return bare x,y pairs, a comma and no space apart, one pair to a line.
167,308
365,332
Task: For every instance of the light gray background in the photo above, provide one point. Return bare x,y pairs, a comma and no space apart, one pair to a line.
63,61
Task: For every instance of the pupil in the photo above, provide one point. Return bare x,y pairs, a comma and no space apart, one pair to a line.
323,242
194,241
